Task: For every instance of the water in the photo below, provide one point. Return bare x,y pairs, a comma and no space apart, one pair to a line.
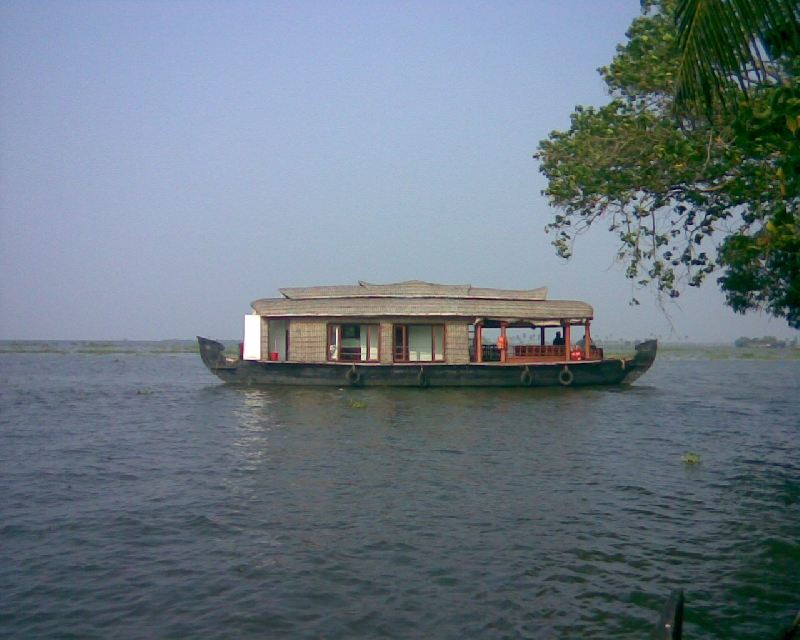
142,499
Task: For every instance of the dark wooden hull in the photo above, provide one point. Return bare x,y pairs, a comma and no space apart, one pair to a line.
609,371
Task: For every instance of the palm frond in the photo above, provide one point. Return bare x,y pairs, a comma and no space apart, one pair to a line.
724,41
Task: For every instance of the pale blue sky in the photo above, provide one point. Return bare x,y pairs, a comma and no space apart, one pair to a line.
163,163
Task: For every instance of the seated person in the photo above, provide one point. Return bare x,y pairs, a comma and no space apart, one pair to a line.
558,339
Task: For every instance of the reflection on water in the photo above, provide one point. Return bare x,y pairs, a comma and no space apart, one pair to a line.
142,499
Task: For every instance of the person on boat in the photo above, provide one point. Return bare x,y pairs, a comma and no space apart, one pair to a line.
558,339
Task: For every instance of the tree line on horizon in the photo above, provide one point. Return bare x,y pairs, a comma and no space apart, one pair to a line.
770,342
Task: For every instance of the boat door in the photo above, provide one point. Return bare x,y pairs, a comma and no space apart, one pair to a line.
278,339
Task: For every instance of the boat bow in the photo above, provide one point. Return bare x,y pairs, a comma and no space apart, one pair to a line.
638,365
213,358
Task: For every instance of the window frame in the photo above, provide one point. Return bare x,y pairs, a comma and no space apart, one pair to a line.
404,346
334,337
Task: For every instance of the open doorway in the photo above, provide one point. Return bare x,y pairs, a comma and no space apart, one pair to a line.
278,340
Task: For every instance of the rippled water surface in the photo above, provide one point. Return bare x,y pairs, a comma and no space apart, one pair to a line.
140,498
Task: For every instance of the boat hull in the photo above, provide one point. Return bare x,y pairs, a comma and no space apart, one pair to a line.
609,371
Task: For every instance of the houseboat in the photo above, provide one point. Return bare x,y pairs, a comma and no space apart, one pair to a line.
420,334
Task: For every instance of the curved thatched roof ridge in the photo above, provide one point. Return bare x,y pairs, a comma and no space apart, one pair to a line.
411,289
538,311
477,293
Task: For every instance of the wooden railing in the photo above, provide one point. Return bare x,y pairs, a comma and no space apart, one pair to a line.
534,352
491,353
548,351
537,351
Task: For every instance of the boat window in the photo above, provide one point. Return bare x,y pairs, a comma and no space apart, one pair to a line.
419,343
353,342
400,343
334,339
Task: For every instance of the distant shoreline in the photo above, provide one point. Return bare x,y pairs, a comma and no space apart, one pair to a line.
667,350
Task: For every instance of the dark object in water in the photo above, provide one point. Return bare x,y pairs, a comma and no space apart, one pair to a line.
670,625
792,632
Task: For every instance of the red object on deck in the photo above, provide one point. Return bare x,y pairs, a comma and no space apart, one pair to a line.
273,355
576,354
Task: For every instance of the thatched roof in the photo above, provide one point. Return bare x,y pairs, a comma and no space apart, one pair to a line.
412,289
423,300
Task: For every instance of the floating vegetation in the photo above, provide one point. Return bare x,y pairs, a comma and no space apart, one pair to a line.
30,346
105,351
723,352
122,347
691,458
356,404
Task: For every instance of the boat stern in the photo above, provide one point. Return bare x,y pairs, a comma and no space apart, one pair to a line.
641,362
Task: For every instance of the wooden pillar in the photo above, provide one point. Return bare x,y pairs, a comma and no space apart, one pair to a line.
504,339
479,342
587,342
566,342
542,339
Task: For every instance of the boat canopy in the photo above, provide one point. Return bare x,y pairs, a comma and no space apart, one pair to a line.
417,299
411,289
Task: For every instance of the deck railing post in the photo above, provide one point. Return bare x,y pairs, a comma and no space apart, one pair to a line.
587,342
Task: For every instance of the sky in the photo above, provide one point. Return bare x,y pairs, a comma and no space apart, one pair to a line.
164,163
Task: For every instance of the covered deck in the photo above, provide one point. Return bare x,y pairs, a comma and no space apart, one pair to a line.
548,348
415,321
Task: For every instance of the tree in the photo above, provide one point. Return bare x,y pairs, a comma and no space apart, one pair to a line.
756,44
686,196
739,39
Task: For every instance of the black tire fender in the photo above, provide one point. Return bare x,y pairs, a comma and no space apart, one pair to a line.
526,378
353,376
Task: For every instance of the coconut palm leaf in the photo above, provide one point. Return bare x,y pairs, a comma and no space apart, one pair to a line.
731,41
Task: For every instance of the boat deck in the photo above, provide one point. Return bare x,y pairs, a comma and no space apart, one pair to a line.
532,353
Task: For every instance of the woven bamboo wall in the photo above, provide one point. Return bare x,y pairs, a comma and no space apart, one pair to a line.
456,338
264,339
386,354
307,340
456,343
